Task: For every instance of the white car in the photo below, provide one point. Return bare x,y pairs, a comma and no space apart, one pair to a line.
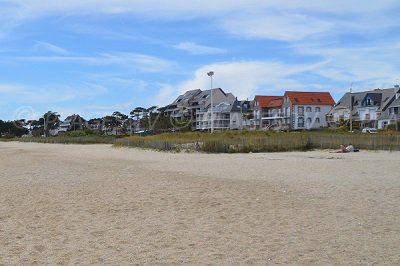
369,130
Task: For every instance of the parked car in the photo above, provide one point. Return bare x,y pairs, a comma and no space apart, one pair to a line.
369,130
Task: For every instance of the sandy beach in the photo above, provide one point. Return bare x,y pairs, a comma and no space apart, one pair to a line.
95,205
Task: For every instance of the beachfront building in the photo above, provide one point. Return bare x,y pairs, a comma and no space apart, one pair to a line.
366,108
293,111
192,102
180,108
392,114
240,115
221,117
226,115
266,111
72,122
305,110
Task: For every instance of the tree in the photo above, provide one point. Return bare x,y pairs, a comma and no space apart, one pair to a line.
151,117
12,129
138,113
119,120
96,124
50,121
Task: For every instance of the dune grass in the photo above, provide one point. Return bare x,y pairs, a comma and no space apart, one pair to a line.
237,141
252,141
91,139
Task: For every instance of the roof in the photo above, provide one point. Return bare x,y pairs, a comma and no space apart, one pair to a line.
188,95
275,103
241,106
206,93
395,103
310,98
387,96
264,101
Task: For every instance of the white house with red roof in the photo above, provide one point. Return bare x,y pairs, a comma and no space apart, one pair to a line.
305,110
266,109
295,110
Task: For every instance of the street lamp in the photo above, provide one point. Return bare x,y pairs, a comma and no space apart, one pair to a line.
211,74
351,109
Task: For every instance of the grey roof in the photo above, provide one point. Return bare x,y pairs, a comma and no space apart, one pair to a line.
187,96
395,103
241,106
382,97
206,93
71,118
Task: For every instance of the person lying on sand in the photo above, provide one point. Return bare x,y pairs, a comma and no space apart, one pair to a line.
348,148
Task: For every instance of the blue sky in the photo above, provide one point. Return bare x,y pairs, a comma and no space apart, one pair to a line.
94,57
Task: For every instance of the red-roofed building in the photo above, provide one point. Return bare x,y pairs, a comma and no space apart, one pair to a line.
295,110
266,108
306,110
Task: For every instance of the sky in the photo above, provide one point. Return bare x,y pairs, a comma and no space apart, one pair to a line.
95,57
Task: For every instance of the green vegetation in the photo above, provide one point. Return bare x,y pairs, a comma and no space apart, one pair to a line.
11,129
234,141
393,127
83,139
248,141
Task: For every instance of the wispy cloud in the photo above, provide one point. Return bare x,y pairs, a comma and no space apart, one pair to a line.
288,14
49,93
11,89
194,48
287,27
141,62
50,47
247,78
363,64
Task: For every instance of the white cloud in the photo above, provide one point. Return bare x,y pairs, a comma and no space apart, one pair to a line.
247,78
51,47
166,94
194,48
372,64
144,62
277,27
11,88
18,93
262,18
141,62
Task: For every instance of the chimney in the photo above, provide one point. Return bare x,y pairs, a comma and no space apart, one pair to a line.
397,91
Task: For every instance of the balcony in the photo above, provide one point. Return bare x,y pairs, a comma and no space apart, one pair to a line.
273,116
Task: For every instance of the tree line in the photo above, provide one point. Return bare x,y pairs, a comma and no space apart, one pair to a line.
150,119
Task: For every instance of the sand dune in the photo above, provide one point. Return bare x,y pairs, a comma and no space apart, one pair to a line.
71,204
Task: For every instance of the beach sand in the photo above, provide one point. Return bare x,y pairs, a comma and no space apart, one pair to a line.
95,204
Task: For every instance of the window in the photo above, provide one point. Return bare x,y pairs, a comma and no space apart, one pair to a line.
308,109
300,110
300,122
317,109
309,121
317,120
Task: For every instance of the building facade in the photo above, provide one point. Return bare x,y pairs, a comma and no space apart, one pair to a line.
366,108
